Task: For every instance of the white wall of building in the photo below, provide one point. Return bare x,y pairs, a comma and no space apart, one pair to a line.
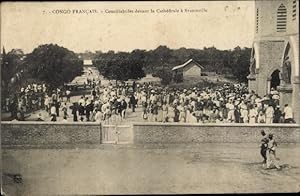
192,70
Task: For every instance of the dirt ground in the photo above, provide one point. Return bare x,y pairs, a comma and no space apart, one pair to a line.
128,169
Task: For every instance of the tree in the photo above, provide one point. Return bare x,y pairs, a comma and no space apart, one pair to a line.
11,71
235,62
240,61
121,65
164,75
53,65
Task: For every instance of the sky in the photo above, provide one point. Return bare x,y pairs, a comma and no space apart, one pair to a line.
222,24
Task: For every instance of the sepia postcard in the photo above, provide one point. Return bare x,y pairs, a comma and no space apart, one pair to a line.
150,97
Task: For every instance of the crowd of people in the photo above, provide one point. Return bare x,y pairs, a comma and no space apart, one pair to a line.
28,99
225,104
229,103
102,104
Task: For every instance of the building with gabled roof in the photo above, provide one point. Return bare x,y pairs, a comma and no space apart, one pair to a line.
189,69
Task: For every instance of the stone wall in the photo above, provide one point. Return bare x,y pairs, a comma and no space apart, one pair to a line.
270,57
206,133
49,133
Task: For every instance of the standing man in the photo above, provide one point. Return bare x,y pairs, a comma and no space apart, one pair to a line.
231,108
88,109
252,114
264,146
134,86
269,114
288,114
65,111
74,108
68,94
123,108
53,112
277,115
132,102
271,153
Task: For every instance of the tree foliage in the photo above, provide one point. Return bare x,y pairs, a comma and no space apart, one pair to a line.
120,65
53,65
11,69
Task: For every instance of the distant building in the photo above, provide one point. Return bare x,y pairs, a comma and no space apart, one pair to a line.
87,63
274,60
189,69
150,79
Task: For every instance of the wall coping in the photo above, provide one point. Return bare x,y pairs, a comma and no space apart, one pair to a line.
150,124
216,125
49,123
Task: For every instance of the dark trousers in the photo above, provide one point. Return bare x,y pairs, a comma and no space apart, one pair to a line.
75,118
57,109
53,117
87,115
263,152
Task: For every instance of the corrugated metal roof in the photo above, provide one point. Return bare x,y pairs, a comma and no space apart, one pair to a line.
185,64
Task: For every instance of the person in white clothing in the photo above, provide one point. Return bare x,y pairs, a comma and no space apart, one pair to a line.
288,114
230,108
269,114
53,112
252,115
98,116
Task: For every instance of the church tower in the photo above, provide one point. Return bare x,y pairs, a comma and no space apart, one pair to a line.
274,60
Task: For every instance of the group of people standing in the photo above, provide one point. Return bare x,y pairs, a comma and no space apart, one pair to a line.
226,104
28,99
268,150
229,103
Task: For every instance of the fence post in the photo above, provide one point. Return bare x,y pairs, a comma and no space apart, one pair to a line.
100,134
116,134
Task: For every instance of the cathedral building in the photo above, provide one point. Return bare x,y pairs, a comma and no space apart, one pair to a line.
275,52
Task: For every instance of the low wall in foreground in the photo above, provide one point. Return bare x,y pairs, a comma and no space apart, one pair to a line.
57,133
49,133
208,133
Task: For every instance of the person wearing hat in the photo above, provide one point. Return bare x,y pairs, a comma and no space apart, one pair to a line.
53,112
65,110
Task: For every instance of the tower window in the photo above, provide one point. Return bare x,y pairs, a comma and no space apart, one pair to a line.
281,18
257,16
294,14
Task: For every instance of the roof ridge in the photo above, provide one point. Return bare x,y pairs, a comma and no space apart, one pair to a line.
186,63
